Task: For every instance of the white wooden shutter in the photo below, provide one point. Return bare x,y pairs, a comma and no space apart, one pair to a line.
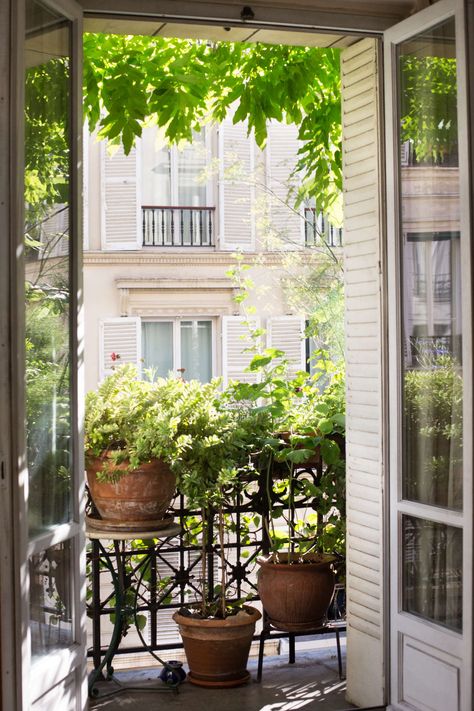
234,342
122,337
236,187
364,335
286,225
287,334
121,209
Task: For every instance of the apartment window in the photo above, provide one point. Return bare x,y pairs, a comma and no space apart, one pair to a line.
170,345
177,207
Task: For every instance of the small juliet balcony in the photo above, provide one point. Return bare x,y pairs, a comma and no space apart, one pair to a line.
169,226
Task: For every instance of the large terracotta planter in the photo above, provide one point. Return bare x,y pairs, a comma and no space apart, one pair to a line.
296,596
142,495
217,650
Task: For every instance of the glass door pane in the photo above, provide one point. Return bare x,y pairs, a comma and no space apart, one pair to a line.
431,269
431,308
48,266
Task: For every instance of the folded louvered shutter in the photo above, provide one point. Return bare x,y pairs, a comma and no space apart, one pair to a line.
122,337
285,223
287,334
236,187
121,210
366,555
235,339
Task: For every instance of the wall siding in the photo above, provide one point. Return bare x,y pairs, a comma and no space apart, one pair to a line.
362,235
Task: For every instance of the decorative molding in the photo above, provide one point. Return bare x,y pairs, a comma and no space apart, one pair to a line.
92,258
158,283
180,311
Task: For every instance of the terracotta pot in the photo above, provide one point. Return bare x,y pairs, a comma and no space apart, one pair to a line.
217,650
296,596
143,494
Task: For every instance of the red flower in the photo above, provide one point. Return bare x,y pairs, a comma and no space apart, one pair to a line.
114,356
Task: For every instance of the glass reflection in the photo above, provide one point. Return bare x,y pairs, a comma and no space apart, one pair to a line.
432,571
431,269
47,251
51,622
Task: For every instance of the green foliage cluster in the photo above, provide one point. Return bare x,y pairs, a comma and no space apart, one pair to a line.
183,423
433,402
306,419
180,84
429,108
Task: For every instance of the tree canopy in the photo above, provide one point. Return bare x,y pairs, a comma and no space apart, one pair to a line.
181,84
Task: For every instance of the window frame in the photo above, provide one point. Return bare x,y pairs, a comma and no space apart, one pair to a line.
176,323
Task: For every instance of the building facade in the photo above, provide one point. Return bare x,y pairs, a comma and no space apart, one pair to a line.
163,226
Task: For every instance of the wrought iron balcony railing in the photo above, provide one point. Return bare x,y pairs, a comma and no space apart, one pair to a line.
167,226
317,228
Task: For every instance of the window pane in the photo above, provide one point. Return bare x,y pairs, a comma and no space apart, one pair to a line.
196,350
432,571
191,172
157,346
156,169
51,581
431,269
48,266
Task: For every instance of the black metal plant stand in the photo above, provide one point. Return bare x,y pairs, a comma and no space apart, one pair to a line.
115,562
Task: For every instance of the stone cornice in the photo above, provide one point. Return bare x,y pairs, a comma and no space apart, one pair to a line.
209,283
99,258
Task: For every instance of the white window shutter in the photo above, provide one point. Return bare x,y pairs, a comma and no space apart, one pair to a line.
286,225
287,334
122,337
121,209
236,187
235,340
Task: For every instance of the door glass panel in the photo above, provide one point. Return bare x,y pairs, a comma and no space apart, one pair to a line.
48,266
431,269
432,571
157,347
196,350
51,578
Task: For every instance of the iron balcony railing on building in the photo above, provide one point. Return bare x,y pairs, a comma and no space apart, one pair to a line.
317,228
168,226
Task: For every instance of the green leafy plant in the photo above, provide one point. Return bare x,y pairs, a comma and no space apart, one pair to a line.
186,424
305,421
433,430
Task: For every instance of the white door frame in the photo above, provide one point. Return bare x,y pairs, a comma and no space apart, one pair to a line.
31,682
454,646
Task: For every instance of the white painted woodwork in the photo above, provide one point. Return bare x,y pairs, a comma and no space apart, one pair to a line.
121,208
122,337
236,186
86,138
362,236
235,341
285,223
431,665
287,334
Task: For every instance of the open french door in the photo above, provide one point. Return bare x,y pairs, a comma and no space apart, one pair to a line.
430,355
47,505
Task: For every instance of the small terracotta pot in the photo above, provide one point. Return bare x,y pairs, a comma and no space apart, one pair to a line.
217,650
143,494
296,596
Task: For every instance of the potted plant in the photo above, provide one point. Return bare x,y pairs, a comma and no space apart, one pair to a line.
216,635
135,432
307,424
